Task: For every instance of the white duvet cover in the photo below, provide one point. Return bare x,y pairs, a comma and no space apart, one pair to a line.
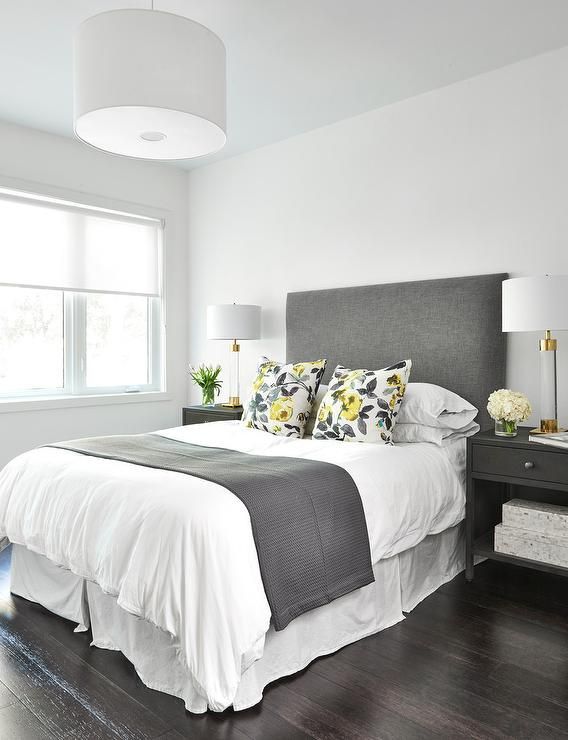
179,552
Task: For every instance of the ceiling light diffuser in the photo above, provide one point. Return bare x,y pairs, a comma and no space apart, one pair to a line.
149,84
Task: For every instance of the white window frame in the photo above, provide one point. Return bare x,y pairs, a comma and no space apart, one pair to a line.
75,391
75,362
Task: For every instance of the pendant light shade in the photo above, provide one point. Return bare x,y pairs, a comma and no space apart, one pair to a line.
149,84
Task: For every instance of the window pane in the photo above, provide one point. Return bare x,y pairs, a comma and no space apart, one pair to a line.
31,339
117,340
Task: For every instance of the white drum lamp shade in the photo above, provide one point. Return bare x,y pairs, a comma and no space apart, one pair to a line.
234,322
535,303
539,304
149,84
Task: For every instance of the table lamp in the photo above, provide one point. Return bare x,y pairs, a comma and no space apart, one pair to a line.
233,321
539,304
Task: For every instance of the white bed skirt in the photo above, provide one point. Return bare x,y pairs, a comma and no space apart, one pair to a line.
401,582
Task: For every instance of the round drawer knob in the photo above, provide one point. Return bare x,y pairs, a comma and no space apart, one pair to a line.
529,465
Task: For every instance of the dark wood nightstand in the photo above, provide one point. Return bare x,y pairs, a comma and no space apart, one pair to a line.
202,414
502,468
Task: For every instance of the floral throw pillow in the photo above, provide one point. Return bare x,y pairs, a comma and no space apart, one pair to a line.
282,396
362,405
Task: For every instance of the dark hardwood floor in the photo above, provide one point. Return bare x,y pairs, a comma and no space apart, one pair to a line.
481,660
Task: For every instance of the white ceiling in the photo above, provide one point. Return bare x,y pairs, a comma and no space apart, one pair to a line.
293,65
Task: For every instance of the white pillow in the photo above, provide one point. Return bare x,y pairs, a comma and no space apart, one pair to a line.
435,435
309,428
434,406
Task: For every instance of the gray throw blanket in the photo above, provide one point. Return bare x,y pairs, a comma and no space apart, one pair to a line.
307,517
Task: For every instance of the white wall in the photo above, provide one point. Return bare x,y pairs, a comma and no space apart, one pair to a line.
468,179
60,165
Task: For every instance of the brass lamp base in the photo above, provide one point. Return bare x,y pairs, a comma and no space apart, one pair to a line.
234,402
547,426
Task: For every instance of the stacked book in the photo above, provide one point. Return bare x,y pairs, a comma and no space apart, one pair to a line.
556,439
535,531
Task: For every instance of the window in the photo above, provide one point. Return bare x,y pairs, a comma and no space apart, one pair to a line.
117,340
80,299
31,340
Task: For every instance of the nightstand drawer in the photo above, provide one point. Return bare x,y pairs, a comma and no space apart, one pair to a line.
204,414
537,465
195,418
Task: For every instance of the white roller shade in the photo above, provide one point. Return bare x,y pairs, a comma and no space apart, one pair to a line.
61,246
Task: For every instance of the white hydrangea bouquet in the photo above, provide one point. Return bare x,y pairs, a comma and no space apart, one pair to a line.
508,408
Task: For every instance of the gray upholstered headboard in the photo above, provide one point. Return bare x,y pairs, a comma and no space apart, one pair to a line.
450,328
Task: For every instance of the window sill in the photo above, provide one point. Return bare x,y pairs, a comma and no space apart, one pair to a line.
11,405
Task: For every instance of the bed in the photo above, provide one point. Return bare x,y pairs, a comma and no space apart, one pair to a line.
163,567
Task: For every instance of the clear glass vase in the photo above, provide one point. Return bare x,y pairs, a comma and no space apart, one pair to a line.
208,396
505,428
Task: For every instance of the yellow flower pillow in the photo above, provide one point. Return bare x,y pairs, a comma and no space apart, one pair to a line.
362,405
282,396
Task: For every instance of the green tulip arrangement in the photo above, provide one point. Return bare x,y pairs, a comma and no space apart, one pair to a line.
207,378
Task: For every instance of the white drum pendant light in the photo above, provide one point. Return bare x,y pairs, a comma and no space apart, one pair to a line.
149,84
